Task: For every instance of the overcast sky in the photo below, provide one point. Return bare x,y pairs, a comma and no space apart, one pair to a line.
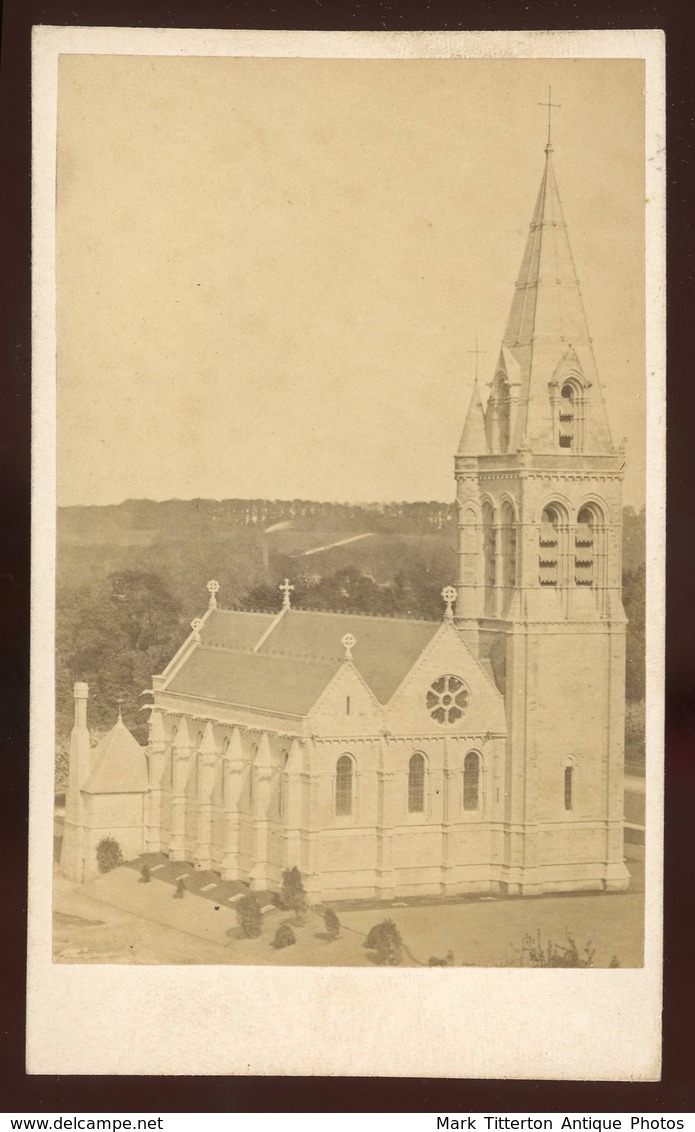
271,272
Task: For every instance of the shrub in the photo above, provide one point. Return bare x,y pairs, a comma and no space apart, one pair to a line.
284,936
293,895
250,916
332,923
145,874
533,954
109,855
448,960
180,890
615,962
385,939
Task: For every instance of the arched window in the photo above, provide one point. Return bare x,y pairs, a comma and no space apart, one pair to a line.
416,784
549,549
471,781
567,416
569,785
469,540
344,773
284,756
585,548
489,553
508,545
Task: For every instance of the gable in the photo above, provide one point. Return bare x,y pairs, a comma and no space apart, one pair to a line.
347,706
409,711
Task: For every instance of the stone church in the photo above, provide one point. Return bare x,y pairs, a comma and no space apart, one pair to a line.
388,757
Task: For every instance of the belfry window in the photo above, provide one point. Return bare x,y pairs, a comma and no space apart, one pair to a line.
585,548
566,416
416,784
471,781
509,545
549,548
469,546
344,773
503,414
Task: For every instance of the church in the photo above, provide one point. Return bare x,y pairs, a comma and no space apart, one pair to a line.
391,757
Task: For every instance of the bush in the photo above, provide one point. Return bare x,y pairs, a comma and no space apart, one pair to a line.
555,954
180,890
284,936
293,894
109,855
385,939
145,874
250,916
332,923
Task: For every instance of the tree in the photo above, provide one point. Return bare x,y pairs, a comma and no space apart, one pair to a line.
385,939
293,894
332,923
284,936
250,916
109,855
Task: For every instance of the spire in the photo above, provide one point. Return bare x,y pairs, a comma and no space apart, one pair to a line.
473,439
547,331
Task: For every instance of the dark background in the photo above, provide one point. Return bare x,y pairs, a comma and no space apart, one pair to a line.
20,1093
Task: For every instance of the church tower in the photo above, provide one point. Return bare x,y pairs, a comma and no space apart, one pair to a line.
539,489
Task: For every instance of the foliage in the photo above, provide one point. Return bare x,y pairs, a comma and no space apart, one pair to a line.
180,890
615,962
114,636
284,936
109,855
533,954
293,894
250,916
332,923
145,874
385,939
634,602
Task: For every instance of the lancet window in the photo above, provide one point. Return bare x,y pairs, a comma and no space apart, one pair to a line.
570,415
344,786
569,785
471,781
416,784
508,533
549,548
489,553
586,547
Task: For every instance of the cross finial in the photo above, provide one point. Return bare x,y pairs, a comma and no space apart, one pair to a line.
476,352
286,590
213,589
348,642
449,595
551,106
196,626
119,701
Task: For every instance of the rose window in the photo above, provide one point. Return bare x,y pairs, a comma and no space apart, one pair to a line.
447,699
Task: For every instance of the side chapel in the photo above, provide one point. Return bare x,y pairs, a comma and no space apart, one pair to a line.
388,757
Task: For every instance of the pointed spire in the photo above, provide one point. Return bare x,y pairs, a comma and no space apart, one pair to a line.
547,326
473,438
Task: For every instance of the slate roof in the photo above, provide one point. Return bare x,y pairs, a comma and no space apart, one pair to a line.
119,765
298,658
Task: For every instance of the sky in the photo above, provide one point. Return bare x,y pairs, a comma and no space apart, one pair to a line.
272,273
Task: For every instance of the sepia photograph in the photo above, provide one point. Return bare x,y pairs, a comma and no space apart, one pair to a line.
350,512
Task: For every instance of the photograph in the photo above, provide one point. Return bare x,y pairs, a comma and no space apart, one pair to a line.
343,467
350,570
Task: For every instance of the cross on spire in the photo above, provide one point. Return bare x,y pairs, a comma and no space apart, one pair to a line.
120,700
551,106
476,352
286,590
